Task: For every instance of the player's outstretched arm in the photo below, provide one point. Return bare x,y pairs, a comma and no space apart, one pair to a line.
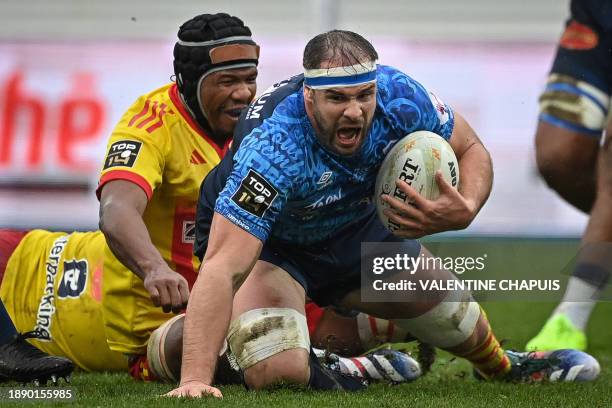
122,204
231,254
453,209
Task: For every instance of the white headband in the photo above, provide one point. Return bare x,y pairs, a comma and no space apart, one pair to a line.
358,74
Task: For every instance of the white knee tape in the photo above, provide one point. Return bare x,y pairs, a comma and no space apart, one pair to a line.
262,333
448,324
576,102
156,351
156,356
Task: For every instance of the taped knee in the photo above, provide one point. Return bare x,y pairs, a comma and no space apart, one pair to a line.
573,104
262,333
158,352
447,324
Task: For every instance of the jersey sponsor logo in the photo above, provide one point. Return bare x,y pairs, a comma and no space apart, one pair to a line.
122,153
46,306
255,194
578,37
74,280
196,158
325,200
189,232
441,109
150,116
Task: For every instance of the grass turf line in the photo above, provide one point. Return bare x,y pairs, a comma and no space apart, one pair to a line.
450,383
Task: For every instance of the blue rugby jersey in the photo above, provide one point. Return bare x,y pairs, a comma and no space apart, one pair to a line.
279,181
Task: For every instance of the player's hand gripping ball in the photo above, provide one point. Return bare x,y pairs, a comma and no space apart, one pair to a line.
415,159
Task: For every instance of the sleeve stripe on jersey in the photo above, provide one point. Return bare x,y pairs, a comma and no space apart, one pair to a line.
128,176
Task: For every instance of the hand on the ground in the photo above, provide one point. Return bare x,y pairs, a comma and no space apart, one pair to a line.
194,389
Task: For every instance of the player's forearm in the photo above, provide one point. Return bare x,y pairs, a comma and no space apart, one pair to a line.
128,238
476,176
230,257
208,316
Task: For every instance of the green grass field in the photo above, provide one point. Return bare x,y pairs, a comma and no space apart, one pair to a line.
449,384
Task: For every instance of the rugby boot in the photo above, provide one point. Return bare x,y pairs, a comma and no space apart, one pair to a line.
552,366
381,365
558,333
21,361
325,374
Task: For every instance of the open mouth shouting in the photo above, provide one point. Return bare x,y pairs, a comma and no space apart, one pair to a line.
348,136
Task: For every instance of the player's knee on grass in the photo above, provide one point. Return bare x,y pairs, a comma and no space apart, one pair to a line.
290,366
271,345
566,161
165,354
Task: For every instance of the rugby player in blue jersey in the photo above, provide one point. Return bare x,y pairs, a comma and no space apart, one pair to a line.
283,217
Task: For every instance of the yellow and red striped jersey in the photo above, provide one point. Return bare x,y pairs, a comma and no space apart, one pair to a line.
158,146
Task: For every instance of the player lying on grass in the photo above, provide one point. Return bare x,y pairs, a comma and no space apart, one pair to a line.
266,247
52,287
158,155
162,147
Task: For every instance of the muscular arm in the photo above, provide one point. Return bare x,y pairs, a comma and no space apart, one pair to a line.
453,209
231,254
122,204
475,167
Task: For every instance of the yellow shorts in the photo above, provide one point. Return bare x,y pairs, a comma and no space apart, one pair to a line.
53,283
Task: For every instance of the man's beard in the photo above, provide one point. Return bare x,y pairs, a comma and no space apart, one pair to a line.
327,134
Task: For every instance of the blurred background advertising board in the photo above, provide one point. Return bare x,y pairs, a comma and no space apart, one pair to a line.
67,78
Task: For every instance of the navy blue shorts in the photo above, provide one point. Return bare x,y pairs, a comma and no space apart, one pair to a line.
329,270
584,49
583,56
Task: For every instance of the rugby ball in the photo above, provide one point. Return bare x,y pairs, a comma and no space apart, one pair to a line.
415,159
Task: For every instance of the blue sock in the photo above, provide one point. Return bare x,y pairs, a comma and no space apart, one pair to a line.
7,328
